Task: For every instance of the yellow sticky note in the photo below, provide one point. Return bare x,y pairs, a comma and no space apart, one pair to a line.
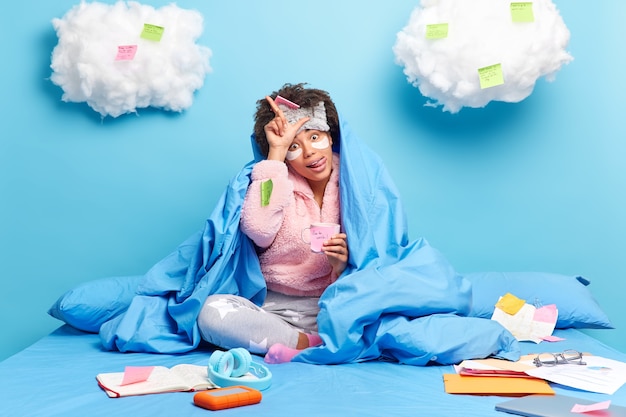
266,192
437,31
152,32
522,12
490,76
510,304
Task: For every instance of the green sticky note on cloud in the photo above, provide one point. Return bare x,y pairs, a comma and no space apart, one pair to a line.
522,12
490,76
152,32
437,31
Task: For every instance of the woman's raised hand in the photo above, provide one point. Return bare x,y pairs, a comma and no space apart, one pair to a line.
279,132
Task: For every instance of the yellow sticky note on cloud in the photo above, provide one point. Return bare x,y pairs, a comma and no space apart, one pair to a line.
491,76
522,12
437,31
510,304
152,32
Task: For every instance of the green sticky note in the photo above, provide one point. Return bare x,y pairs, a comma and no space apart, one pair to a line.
522,12
437,31
490,76
152,32
266,192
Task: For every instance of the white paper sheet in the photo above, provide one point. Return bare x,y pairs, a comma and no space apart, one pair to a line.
598,375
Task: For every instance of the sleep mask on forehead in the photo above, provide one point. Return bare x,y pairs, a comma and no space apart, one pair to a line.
294,112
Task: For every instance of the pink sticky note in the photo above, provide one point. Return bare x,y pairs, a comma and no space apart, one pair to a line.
552,338
579,408
126,52
134,374
285,102
546,314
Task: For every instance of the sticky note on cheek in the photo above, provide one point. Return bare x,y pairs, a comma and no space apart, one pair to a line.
266,192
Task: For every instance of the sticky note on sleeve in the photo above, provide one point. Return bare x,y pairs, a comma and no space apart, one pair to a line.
266,192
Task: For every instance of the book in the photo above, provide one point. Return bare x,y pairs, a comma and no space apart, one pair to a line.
154,380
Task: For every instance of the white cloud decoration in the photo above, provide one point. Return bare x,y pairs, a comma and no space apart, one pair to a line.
466,53
124,56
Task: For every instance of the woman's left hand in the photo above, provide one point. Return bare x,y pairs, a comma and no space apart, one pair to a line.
336,250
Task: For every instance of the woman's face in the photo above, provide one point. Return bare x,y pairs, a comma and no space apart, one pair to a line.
311,155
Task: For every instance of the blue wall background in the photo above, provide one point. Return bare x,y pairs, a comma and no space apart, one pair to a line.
533,186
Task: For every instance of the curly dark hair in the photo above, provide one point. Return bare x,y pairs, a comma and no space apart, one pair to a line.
304,97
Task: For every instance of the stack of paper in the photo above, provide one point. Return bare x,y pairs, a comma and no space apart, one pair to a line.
495,377
501,377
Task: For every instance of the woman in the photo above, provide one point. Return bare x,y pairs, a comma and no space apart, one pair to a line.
296,185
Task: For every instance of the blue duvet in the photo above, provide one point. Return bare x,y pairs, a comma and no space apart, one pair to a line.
398,299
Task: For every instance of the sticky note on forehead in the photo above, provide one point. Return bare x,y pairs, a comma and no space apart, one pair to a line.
282,100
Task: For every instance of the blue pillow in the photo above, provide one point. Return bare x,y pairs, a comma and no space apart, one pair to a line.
446,339
92,303
577,307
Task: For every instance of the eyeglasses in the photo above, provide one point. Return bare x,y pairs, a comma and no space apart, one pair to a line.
568,356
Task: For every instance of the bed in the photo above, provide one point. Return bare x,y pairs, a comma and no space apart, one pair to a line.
396,320
56,377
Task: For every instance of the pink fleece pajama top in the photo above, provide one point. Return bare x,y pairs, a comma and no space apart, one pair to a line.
287,263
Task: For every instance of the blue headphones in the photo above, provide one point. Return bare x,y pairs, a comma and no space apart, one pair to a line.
236,367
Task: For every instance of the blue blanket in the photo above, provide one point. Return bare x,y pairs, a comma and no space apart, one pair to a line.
397,299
